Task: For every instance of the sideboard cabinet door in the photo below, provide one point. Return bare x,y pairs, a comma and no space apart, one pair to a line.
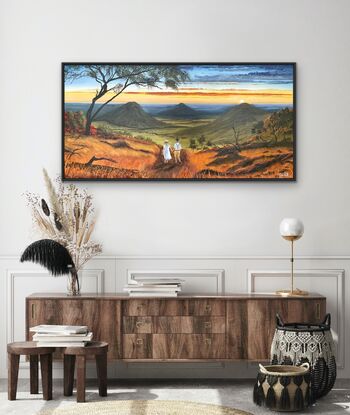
42,312
261,317
101,316
236,329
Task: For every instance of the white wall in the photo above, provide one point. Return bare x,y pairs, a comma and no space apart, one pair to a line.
181,218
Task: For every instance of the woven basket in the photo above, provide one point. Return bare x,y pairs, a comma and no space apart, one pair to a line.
297,343
283,387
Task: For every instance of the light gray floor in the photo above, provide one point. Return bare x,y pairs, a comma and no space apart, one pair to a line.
237,394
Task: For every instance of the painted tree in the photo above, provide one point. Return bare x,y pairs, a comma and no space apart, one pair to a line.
279,126
193,143
201,139
257,130
113,80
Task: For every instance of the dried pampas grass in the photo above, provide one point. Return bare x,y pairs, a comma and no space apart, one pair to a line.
68,219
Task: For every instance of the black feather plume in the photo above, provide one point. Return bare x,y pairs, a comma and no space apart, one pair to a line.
58,223
51,255
45,207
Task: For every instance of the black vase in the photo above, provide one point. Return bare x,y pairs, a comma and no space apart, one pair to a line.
297,343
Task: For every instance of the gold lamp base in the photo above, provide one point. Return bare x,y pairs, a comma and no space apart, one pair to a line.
294,293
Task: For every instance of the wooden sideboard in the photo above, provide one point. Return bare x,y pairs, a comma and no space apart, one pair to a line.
187,328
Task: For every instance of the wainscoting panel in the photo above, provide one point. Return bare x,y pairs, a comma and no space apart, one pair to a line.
326,275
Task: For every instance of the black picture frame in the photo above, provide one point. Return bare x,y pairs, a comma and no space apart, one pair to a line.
241,179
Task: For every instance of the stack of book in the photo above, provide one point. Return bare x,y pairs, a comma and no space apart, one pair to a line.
157,287
61,336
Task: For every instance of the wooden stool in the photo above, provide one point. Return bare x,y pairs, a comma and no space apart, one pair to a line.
14,352
79,354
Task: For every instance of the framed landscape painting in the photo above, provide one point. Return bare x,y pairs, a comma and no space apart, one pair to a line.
178,121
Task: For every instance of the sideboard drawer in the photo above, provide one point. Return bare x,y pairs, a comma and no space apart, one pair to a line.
207,307
141,307
174,307
137,346
188,325
209,325
140,324
177,324
188,346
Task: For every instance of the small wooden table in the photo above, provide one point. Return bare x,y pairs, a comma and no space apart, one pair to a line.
79,354
14,351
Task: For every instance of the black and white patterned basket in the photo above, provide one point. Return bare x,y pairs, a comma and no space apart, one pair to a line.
297,343
283,388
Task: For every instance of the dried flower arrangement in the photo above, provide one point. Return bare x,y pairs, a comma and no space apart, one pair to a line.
69,219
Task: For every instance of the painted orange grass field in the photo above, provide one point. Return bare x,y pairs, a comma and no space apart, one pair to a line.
129,158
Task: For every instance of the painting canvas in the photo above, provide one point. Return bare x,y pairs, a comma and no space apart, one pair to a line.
178,121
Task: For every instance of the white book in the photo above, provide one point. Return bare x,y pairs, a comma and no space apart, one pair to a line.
41,337
158,281
152,294
147,289
64,330
153,286
60,344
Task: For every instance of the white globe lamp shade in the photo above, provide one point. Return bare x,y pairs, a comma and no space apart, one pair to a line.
291,228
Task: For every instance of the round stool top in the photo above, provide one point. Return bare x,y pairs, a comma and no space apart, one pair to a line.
91,348
28,348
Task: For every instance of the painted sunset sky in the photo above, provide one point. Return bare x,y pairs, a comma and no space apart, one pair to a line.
209,85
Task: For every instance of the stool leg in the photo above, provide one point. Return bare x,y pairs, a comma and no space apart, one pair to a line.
81,373
46,375
34,374
13,365
101,366
68,374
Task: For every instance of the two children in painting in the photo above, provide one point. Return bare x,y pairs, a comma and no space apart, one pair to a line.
176,150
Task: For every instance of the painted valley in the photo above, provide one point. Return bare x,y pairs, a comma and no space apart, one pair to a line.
185,121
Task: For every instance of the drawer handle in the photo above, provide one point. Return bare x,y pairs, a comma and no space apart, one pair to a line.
208,308
139,324
139,342
33,310
318,311
208,342
207,324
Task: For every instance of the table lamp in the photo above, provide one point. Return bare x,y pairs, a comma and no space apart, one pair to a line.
292,229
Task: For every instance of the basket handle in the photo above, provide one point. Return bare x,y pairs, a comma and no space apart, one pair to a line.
327,320
279,321
265,372
262,369
305,365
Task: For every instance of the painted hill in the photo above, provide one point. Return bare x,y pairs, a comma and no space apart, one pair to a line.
242,116
180,111
130,115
